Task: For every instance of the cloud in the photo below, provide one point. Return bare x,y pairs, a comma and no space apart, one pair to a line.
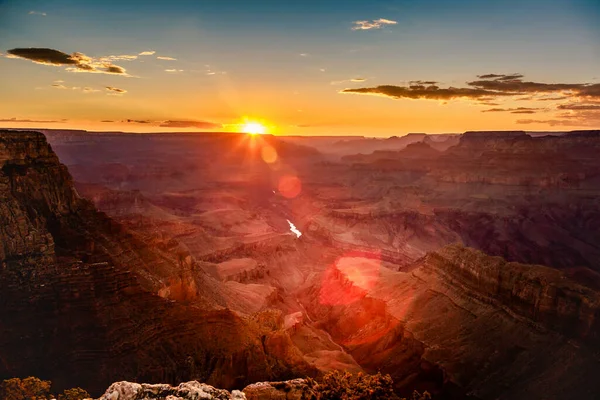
489,86
180,70
122,57
190,124
352,80
590,90
555,122
33,120
43,14
558,98
426,83
166,58
579,107
374,24
147,53
518,110
518,86
59,85
115,90
501,77
138,121
75,62
422,92
43,56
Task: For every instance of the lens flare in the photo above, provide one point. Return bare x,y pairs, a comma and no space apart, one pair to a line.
289,186
269,154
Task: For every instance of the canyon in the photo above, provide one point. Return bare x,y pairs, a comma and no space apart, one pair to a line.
466,265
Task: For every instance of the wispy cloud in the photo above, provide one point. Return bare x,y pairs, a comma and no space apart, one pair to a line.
374,24
166,58
147,53
594,123
86,89
579,107
114,90
122,57
43,14
352,80
190,124
173,70
33,120
75,62
518,110
178,124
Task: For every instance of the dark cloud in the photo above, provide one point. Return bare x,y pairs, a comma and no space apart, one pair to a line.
488,87
116,90
43,56
579,107
190,124
554,122
590,90
115,69
138,121
424,92
426,83
518,86
76,62
559,98
518,110
501,77
33,120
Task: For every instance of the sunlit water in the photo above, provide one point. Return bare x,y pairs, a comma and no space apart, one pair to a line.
294,230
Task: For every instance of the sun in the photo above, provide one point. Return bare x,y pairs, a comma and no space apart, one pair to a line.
254,128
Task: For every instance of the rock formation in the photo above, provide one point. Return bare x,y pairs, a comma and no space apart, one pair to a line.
466,266
80,302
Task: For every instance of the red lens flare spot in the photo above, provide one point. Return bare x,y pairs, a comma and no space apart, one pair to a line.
350,278
290,186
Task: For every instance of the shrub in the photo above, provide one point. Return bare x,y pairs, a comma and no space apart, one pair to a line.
25,389
346,386
74,394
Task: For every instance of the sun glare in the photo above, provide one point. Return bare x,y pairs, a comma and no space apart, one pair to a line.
254,128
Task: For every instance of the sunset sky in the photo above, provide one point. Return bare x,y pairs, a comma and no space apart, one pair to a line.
373,67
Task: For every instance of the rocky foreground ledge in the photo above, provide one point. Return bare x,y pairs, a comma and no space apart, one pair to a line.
293,390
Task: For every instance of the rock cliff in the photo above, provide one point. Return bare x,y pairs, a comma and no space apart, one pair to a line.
461,319
79,302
